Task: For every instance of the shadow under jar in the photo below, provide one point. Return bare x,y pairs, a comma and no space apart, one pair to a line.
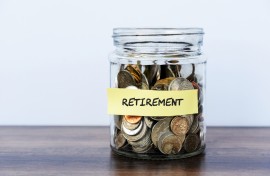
159,59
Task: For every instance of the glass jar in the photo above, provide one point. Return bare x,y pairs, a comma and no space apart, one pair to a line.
157,94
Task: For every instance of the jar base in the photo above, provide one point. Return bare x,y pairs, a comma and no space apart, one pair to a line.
153,156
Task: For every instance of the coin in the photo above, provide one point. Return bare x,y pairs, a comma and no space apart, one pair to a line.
135,72
132,132
145,84
160,87
192,76
180,84
117,121
139,135
144,149
130,126
166,71
169,143
157,118
119,140
176,70
148,121
125,79
194,127
150,73
159,128
179,125
162,84
144,141
132,119
191,143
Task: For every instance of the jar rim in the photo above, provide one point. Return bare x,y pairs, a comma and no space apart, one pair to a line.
123,32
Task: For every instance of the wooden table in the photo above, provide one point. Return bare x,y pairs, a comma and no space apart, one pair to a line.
78,151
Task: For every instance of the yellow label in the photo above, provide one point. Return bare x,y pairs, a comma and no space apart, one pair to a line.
152,102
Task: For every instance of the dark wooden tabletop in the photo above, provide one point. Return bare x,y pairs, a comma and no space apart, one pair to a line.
78,151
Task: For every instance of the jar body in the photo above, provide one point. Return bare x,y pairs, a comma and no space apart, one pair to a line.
158,136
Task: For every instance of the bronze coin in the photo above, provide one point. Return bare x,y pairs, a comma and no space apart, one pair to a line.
191,143
179,125
130,126
125,79
132,119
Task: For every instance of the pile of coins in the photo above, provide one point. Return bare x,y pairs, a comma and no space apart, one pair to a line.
167,135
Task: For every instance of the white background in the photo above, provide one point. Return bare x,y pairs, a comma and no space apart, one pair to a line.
54,68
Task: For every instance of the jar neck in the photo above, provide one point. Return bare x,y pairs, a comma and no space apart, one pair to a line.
165,42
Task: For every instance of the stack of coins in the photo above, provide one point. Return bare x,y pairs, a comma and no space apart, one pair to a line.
165,135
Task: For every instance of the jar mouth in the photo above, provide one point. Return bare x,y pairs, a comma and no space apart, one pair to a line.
163,41
122,32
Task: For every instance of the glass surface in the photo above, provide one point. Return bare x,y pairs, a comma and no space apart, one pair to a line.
152,59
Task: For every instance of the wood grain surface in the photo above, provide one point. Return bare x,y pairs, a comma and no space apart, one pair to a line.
77,151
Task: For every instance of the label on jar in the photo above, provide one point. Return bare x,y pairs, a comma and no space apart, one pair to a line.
152,102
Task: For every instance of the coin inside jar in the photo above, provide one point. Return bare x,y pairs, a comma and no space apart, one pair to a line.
180,84
169,143
125,79
119,140
159,128
191,143
132,119
179,125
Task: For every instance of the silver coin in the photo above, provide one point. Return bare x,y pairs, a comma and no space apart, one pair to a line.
144,86
144,141
137,136
176,70
119,139
148,121
145,81
144,149
125,79
132,87
169,72
169,143
150,73
159,128
117,121
157,118
130,126
195,126
132,132
180,84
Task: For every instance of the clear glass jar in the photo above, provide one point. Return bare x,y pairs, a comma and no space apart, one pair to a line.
159,59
